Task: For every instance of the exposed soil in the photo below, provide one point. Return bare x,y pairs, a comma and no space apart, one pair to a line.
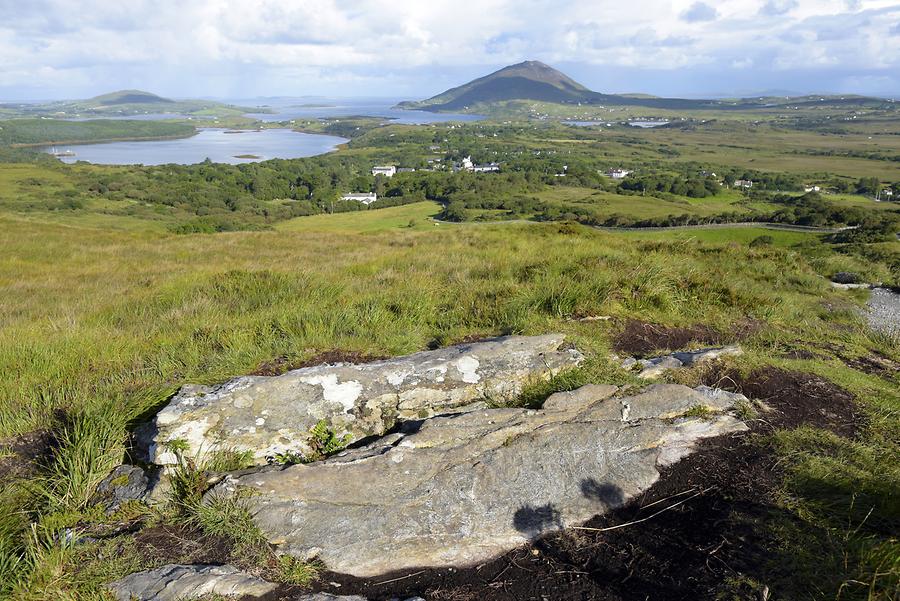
280,365
714,506
641,339
874,364
797,398
179,544
22,455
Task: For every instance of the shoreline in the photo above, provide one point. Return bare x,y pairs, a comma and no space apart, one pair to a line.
101,141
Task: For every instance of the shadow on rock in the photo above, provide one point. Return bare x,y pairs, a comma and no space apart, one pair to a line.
608,494
532,521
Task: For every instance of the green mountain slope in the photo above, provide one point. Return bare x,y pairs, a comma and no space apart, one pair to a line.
128,97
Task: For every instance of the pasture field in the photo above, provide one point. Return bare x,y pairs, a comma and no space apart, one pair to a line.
413,216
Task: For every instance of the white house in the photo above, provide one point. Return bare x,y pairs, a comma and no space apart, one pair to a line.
385,170
486,168
743,183
618,173
812,188
365,198
466,164
406,169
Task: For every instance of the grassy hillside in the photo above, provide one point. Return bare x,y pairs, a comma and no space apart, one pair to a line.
103,326
114,292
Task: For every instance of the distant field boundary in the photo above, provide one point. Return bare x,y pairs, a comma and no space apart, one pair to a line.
759,224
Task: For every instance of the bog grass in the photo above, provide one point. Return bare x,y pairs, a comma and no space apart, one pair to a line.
99,327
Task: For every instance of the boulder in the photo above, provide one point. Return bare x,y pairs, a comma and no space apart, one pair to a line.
273,415
846,277
460,489
179,582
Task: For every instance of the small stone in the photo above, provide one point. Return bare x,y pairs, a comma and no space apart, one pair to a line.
846,277
124,483
629,363
175,582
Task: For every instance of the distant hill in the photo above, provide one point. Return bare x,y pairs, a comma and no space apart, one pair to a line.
129,97
535,81
531,80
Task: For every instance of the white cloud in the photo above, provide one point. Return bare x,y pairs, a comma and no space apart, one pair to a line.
198,46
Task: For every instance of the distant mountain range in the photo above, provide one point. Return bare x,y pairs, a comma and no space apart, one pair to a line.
535,81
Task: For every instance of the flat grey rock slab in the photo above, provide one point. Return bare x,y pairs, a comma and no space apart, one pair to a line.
176,582
464,488
272,415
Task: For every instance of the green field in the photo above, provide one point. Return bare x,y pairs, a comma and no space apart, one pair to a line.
605,204
413,216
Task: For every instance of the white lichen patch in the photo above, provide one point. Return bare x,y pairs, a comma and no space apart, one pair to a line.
344,393
468,369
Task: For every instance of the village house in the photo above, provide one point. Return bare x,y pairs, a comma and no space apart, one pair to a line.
385,170
743,183
618,173
406,169
365,198
812,188
486,168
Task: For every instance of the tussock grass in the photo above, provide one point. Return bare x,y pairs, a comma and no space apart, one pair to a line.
103,326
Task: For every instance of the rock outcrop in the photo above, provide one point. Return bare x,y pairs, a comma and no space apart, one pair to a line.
655,367
179,582
273,415
459,489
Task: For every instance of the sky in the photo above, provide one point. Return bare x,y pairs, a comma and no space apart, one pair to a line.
53,49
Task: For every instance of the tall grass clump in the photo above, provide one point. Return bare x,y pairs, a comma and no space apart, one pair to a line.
89,446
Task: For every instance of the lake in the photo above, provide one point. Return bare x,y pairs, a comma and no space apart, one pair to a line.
647,124
587,123
286,109
215,144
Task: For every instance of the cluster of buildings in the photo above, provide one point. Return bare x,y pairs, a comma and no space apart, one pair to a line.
391,170
886,194
618,173
368,198
365,198
467,165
